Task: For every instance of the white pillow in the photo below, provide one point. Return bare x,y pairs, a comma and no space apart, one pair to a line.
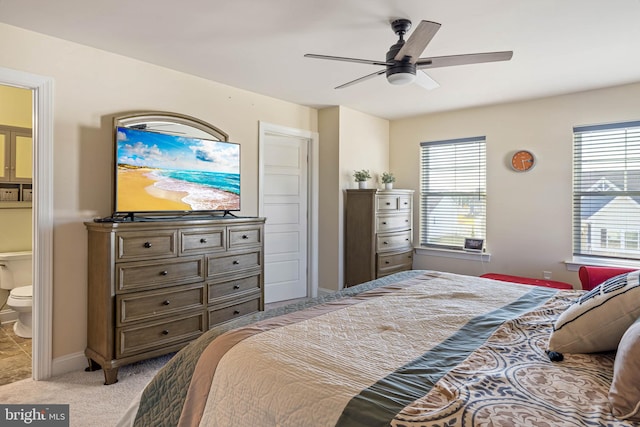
624,393
599,318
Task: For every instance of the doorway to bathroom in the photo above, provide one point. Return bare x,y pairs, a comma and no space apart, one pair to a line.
42,214
16,220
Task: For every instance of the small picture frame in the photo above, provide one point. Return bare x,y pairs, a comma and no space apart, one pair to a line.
473,245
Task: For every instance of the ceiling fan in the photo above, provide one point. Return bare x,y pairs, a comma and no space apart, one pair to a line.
403,58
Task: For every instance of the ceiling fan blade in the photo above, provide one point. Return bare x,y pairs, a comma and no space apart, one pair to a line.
341,58
361,79
418,41
425,81
471,58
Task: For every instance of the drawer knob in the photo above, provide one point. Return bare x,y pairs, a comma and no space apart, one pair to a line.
386,262
384,222
164,273
236,286
166,302
236,262
147,244
244,236
388,203
165,332
385,243
406,240
203,240
236,312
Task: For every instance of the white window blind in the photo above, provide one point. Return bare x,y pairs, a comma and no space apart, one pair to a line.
606,190
453,192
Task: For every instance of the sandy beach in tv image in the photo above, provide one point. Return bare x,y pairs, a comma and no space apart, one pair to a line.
161,172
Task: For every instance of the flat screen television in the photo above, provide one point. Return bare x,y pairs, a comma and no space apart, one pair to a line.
162,173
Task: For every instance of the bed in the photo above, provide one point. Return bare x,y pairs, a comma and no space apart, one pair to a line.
417,348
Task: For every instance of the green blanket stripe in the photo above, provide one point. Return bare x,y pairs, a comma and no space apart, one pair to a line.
377,405
162,400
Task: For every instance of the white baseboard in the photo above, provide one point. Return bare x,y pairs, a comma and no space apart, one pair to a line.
69,363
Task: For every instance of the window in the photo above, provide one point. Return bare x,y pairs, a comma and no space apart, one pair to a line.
606,190
453,192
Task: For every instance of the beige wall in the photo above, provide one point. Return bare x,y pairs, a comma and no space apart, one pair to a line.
329,212
15,106
528,214
15,223
349,141
15,229
90,86
364,144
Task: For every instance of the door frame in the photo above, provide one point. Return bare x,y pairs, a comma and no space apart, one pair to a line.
312,191
42,214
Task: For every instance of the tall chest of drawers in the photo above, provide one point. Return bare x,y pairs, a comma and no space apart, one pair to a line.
155,286
378,233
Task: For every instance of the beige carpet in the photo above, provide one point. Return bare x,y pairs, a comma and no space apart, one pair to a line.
91,403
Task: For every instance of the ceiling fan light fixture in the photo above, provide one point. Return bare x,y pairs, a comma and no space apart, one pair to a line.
401,78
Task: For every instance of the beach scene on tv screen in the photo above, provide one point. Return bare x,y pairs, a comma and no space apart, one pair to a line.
162,172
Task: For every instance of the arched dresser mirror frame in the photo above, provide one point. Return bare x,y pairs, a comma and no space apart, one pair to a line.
165,122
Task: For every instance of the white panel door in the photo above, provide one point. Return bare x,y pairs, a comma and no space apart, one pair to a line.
285,204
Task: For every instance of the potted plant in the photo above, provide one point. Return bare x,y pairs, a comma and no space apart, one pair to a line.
388,179
361,177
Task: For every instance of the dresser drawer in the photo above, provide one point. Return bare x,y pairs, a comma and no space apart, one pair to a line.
137,339
131,245
393,263
140,275
393,241
244,236
230,288
233,263
149,305
386,203
393,222
220,315
199,241
404,202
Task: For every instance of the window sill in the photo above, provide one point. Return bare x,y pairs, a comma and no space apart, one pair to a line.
451,253
576,262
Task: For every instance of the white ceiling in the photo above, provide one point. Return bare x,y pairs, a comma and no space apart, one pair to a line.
560,46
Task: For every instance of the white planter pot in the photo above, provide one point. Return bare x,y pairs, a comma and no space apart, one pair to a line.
362,184
388,185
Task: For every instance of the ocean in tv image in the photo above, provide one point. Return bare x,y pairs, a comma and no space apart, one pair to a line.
164,172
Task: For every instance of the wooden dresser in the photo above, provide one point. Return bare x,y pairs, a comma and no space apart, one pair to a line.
378,233
155,286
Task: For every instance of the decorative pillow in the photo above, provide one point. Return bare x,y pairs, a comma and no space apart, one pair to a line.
624,394
598,319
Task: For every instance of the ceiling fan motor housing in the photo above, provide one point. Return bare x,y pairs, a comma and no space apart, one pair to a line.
402,66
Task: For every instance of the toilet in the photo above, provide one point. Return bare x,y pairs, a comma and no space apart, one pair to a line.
16,276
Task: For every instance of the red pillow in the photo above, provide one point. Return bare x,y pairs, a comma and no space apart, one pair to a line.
591,276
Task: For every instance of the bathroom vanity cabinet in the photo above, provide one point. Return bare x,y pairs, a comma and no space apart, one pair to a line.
155,286
16,152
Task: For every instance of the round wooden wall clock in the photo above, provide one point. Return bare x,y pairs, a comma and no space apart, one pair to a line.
523,160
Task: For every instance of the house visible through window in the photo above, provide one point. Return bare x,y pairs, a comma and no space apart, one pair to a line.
453,192
606,190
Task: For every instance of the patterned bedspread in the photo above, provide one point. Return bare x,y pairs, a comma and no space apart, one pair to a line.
419,348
